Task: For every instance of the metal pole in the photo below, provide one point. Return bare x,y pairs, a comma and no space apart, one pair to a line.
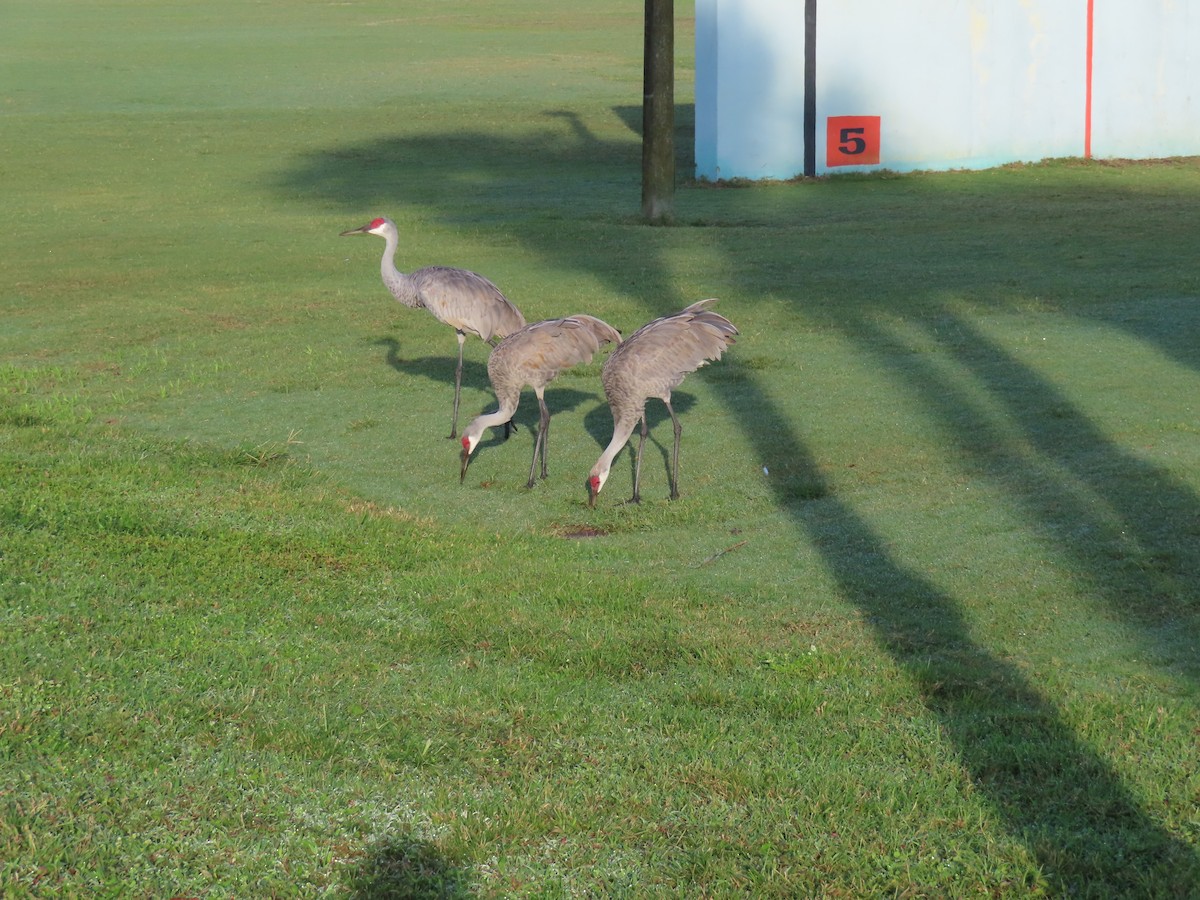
658,113
810,88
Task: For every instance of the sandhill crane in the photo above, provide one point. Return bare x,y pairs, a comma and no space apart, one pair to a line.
652,362
464,300
534,356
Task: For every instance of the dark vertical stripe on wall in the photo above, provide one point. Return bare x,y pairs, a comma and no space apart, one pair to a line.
810,87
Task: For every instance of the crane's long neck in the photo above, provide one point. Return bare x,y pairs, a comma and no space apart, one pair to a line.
484,421
491,420
400,284
621,432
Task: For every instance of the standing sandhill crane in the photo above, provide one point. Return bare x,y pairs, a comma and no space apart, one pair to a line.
652,362
534,356
464,300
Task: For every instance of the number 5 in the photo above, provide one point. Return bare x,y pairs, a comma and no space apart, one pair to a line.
851,141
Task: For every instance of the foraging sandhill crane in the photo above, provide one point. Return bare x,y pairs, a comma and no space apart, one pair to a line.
534,356
464,300
652,362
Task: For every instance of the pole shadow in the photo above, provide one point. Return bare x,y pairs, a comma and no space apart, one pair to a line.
1129,529
1172,324
1054,793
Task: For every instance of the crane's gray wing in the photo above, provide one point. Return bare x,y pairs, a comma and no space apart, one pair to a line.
467,302
538,352
656,358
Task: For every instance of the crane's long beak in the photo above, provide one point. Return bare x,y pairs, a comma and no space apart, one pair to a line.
591,495
466,461
362,230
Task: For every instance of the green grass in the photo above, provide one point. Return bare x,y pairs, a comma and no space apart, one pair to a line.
923,623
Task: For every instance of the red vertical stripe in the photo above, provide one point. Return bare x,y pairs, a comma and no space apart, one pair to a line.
1087,111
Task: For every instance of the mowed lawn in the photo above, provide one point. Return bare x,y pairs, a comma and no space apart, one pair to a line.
923,623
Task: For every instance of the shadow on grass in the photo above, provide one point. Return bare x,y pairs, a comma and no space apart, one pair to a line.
1170,324
1130,529
404,868
435,368
1052,791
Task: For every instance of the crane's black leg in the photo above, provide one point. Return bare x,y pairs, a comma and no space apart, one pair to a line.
544,428
674,454
637,465
539,442
462,338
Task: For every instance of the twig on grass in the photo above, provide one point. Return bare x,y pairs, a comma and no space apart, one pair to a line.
720,553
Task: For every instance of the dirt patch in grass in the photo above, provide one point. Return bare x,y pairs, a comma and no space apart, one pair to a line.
579,532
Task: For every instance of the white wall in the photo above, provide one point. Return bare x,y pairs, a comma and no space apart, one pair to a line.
1146,85
753,125
955,83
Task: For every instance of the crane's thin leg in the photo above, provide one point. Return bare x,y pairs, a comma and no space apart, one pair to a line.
637,465
545,428
462,339
675,454
539,443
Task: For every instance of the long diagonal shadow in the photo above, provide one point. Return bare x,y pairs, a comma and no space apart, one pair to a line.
1054,793
1065,473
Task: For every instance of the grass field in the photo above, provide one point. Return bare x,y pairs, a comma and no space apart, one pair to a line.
924,622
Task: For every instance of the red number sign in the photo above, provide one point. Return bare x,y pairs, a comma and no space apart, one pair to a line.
852,141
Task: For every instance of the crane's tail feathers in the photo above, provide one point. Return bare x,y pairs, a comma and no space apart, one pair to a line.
599,329
698,306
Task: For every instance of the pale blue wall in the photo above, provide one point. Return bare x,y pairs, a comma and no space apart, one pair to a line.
749,93
956,83
1146,84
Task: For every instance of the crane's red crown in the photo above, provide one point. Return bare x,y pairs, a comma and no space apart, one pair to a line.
376,223
466,442
595,482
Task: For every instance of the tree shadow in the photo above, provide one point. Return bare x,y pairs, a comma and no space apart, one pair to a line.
406,868
1119,518
1170,324
1052,791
